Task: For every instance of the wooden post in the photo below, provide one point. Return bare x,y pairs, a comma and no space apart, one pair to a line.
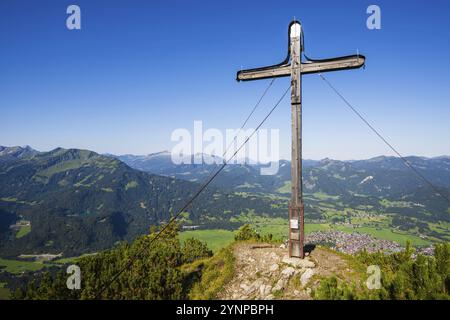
296,69
296,219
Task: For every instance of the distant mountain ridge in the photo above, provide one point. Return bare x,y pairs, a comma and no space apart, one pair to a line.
16,152
390,173
356,183
78,200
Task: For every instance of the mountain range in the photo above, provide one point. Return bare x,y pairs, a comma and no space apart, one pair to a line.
79,201
356,182
380,176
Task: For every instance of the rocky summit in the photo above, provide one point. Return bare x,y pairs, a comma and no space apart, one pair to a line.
265,272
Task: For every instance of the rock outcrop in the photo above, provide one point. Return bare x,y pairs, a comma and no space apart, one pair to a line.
265,272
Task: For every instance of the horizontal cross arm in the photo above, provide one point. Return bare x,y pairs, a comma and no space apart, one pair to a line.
334,64
264,73
311,66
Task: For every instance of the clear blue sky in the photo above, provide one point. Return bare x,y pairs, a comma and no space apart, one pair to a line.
137,70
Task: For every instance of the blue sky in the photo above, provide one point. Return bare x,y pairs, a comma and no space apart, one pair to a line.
137,70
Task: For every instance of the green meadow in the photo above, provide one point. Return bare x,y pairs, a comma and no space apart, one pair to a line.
18,266
23,231
215,238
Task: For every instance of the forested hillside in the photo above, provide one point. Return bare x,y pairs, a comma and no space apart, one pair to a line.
379,193
167,269
76,201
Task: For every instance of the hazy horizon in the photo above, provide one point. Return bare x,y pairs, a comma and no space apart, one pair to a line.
168,151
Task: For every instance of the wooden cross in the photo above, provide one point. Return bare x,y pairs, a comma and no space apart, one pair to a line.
294,67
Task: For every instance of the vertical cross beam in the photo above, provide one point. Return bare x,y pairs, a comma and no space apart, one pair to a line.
294,67
296,219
